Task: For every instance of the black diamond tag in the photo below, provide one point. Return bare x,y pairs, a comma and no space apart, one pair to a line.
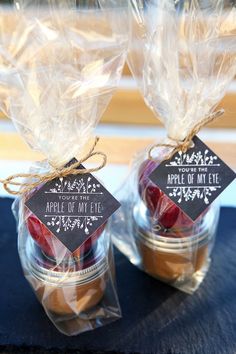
193,180
73,207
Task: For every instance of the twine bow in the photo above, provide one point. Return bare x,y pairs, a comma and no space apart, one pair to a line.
184,145
73,169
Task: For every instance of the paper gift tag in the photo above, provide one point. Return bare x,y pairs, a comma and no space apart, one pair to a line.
73,207
193,180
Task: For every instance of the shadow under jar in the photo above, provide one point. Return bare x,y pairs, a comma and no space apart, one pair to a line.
178,257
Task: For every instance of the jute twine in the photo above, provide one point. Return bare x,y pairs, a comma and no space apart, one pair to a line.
186,144
25,187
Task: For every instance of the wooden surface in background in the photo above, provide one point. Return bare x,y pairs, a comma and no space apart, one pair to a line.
128,107
119,150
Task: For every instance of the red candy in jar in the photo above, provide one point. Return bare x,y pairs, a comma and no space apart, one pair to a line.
50,245
165,212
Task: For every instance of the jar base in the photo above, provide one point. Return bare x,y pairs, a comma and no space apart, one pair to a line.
186,284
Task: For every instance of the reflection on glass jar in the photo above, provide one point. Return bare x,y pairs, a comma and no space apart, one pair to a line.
71,286
173,255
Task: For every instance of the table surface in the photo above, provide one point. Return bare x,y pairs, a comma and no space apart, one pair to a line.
156,318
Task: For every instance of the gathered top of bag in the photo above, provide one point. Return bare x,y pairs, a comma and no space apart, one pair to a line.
60,64
188,60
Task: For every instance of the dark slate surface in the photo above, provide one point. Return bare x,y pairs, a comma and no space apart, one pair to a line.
156,318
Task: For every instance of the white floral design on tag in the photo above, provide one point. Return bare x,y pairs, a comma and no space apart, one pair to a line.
194,179
73,207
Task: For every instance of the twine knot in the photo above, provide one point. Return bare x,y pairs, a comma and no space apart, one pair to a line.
187,143
73,169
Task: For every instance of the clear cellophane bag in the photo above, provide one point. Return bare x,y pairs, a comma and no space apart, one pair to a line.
183,57
60,64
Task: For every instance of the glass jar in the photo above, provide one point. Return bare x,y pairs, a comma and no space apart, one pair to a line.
67,288
177,256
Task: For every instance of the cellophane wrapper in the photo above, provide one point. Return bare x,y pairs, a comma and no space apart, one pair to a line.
183,57
59,66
